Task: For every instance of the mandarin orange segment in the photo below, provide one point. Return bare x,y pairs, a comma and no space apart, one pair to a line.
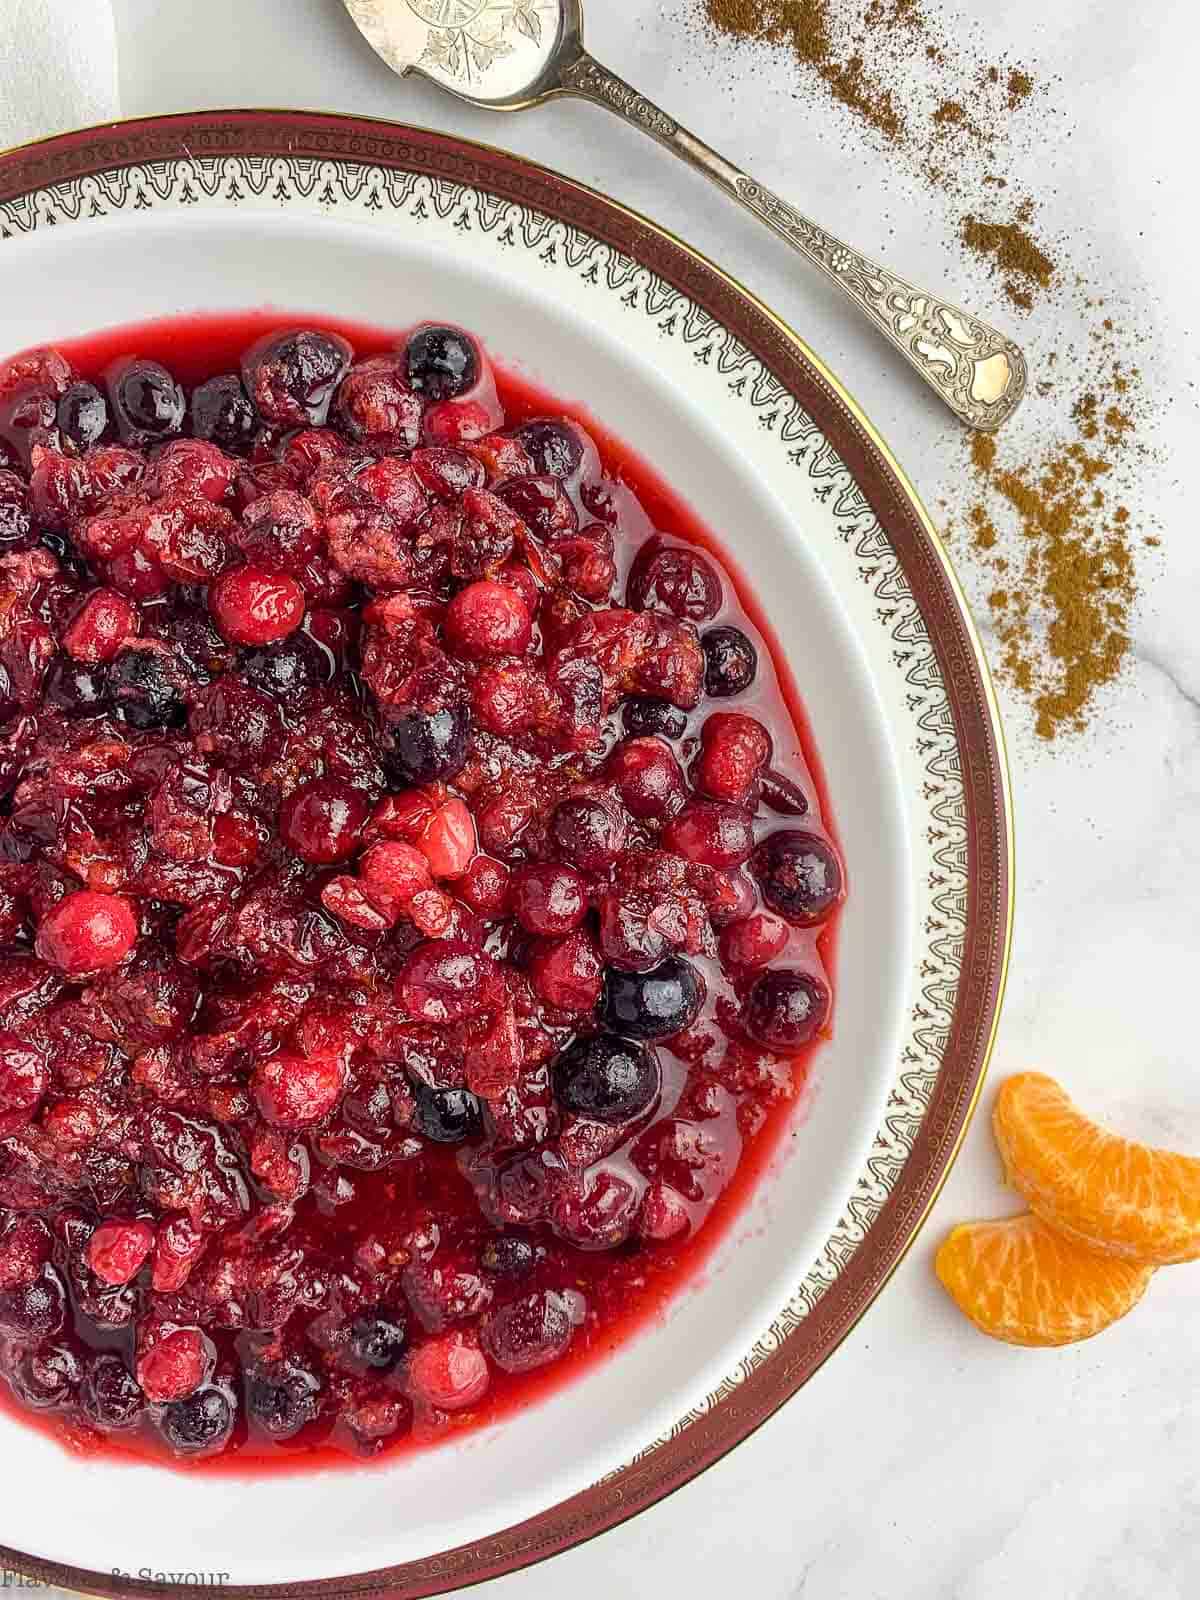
1117,1197
1020,1281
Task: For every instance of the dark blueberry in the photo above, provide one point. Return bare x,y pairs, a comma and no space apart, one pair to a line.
799,874
642,716
76,688
35,1310
222,412
287,669
47,1378
377,1340
441,363
609,1079
142,692
16,523
202,1422
730,662
447,1116
195,643
282,1398
554,447
785,1009
292,377
83,415
652,1005
110,1395
147,404
509,1255
423,746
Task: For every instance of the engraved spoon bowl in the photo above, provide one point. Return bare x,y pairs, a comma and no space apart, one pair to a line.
508,55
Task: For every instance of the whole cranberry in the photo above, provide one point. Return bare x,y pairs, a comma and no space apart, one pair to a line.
447,980
23,1081
48,1377
148,405
799,874
253,606
292,377
322,821
712,833
449,1373
376,407
548,898
730,662
542,504
296,1092
754,941
280,531
237,722
222,413
554,447
531,1332
734,753
488,619
117,1251
588,831
485,887
441,363
670,578
785,1008
567,973
649,778
87,932
100,627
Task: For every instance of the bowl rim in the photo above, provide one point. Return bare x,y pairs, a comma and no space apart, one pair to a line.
670,1463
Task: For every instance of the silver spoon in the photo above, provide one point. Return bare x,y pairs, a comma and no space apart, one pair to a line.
508,55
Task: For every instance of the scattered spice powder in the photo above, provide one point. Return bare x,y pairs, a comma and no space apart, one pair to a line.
1057,547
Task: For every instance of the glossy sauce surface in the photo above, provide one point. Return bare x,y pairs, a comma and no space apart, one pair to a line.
719,1116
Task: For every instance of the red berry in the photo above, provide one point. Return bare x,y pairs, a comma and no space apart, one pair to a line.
488,619
735,750
322,821
484,886
549,898
448,841
23,1080
253,606
298,1091
100,626
714,834
457,422
755,941
432,912
87,932
449,1373
567,973
117,1251
176,1366
649,778
392,873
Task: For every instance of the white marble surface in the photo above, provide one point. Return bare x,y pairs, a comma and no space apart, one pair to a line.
923,1462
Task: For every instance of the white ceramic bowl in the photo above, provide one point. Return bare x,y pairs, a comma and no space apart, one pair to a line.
390,226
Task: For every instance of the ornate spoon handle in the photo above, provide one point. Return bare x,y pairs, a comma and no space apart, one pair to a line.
977,371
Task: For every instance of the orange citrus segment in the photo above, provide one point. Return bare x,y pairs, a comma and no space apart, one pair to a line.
1118,1197
1020,1281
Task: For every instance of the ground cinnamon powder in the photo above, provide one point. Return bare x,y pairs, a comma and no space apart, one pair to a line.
1058,553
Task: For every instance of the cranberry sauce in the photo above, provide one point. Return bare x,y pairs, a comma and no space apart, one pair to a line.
416,902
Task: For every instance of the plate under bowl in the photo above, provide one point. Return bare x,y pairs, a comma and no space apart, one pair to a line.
387,224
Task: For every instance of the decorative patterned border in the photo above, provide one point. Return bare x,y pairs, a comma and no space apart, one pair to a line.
330,162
